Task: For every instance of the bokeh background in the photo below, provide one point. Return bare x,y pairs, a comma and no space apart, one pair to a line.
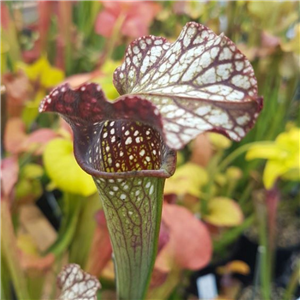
236,203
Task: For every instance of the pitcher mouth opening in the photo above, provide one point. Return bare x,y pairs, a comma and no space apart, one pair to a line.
123,148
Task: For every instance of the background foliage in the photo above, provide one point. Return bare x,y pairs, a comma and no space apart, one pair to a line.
224,197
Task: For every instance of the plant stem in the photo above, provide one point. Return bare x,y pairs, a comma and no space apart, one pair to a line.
294,279
231,14
257,272
236,153
72,207
10,251
80,246
5,284
231,235
133,214
3,291
86,14
246,193
212,172
65,21
216,167
261,214
112,41
3,118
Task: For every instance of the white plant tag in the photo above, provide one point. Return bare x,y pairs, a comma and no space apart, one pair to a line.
207,287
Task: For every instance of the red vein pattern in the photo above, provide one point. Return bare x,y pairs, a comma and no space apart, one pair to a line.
132,204
112,137
201,82
121,145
